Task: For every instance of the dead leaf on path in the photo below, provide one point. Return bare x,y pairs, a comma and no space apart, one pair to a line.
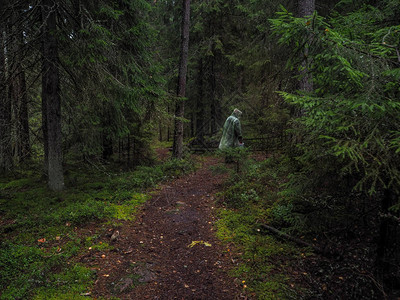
193,243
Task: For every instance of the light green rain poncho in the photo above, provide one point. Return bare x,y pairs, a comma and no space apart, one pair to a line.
232,132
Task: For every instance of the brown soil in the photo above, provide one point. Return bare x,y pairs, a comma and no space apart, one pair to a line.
155,257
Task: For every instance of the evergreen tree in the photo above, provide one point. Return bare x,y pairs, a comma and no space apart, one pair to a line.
350,129
51,96
5,107
183,62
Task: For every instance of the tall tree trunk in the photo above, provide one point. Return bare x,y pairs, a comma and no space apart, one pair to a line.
200,105
17,87
107,146
5,110
169,126
51,96
305,8
23,98
22,114
177,151
214,103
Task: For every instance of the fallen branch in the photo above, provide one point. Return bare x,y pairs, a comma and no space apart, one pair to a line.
285,236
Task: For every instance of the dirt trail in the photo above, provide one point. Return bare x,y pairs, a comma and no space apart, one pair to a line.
154,253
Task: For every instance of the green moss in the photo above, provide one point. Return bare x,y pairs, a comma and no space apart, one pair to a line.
101,246
127,210
18,183
70,284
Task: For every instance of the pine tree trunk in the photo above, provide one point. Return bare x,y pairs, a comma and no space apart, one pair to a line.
200,106
22,117
5,110
169,126
51,96
214,103
17,88
177,151
305,8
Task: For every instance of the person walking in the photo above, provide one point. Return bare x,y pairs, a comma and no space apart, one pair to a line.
232,133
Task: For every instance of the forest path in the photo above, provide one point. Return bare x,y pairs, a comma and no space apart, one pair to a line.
170,251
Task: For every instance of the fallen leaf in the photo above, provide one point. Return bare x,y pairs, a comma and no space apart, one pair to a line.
193,243
43,240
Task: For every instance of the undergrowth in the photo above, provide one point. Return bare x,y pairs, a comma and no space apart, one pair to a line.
266,194
40,229
249,199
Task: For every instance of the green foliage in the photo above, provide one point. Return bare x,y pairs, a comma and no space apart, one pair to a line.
351,119
117,82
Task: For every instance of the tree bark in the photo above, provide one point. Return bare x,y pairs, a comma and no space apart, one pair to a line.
17,86
177,151
305,8
51,96
5,110
200,106
22,117
213,98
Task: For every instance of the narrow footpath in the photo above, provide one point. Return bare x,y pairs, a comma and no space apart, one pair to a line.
170,251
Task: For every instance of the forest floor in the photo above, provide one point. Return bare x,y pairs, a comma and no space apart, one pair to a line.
170,251
196,236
